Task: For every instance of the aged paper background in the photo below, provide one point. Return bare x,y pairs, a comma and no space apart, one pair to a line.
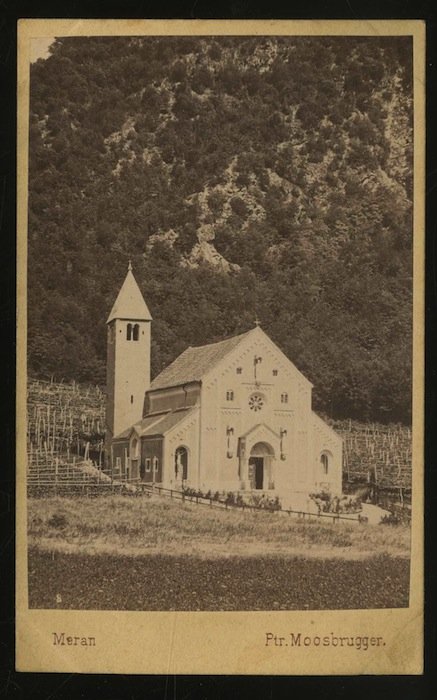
221,642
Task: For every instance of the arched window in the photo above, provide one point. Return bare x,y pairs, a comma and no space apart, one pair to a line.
284,398
129,331
229,396
136,331
324,461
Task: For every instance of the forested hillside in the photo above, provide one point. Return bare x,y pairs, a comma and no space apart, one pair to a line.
244,177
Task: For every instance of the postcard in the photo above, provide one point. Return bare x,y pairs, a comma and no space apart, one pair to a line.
220,347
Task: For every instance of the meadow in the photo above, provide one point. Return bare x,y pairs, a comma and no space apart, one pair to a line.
115,552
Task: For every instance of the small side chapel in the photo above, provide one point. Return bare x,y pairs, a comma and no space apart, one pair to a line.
229,416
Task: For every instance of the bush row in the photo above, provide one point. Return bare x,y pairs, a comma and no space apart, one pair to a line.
236,499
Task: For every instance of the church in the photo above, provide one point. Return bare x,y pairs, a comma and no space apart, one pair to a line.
228,416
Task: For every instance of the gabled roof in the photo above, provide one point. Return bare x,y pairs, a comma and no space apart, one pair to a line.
130,303
193,363
166,422
157,424
256,427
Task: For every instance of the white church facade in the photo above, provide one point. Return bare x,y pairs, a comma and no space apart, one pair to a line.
229,416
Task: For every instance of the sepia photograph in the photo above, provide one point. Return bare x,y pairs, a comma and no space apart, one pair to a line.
219,336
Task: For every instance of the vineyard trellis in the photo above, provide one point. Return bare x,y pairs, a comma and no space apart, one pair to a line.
66,426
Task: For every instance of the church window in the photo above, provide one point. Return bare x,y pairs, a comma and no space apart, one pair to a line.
229,396
147,465
129,331
324,462
256,402
239,370
136,331
275,372
284,398
131,398
155,464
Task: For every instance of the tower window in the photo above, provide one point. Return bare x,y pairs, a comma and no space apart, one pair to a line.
239,370
275,372
229,396
132,331
284,398
131,398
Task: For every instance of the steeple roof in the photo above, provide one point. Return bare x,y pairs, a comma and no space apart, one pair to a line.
130,303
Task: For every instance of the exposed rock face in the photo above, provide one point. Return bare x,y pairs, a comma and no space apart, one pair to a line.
169,237
205,252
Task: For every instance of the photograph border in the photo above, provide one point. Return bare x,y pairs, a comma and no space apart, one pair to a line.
234,643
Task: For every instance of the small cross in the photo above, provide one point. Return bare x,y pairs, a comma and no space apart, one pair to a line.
257,322
129,267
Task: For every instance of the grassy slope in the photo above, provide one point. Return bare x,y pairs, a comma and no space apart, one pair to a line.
120,553
136,526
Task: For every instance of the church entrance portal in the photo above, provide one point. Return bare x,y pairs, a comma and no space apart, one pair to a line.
260,466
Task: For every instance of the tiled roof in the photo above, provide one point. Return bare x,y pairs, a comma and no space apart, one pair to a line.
130,303
193,363
166,422
157,424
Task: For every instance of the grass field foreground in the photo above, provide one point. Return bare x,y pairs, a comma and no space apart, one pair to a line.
129,526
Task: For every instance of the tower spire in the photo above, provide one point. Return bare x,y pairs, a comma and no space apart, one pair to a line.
130,303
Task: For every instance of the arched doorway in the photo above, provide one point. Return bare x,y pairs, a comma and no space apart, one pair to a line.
260,466
181,463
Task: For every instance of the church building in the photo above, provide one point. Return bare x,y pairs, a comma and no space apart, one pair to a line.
229,416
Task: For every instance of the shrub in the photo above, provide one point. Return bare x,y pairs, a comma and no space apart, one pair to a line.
58,521
390,519
329,503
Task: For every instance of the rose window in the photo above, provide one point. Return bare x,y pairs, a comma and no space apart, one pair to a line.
256,402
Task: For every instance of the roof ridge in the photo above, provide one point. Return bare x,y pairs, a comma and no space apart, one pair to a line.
217,342
194,362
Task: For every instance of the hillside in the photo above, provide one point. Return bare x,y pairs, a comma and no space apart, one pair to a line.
245,177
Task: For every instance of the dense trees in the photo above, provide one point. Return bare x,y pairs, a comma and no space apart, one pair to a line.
293,154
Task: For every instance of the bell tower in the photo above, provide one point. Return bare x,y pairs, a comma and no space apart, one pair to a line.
128,358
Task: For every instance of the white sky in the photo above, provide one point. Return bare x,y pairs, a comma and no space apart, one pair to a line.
39,47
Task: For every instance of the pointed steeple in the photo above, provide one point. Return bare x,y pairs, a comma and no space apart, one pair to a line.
130,303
